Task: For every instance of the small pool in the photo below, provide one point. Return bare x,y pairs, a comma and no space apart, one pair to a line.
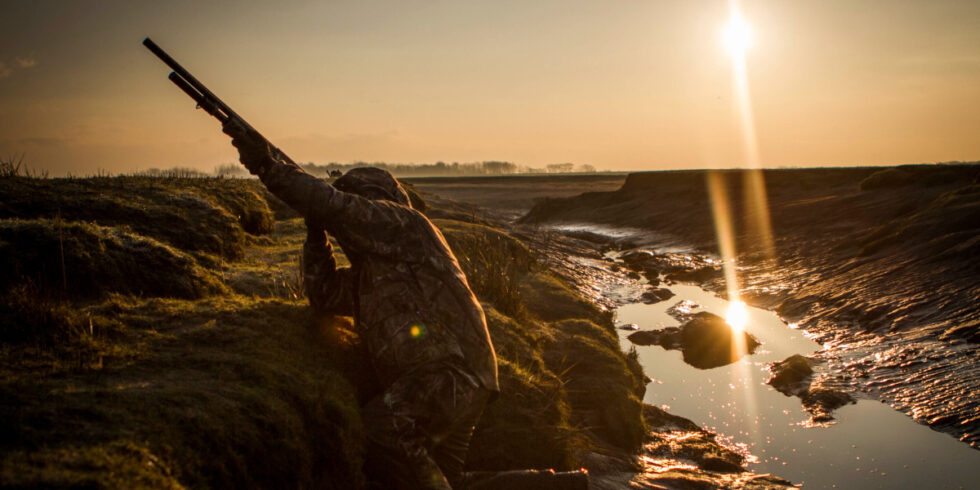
870,445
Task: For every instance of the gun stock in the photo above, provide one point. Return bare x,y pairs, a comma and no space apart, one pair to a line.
204,98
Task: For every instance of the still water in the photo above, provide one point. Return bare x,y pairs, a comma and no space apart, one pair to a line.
870,445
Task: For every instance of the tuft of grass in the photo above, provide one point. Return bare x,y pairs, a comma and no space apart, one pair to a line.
528,426
549,299
603,391
887,178
83,260
196,215
13,166
27,314
494,262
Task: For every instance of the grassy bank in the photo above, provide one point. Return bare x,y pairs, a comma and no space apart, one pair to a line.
155,335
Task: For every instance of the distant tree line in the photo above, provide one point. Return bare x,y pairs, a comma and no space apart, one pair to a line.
438,169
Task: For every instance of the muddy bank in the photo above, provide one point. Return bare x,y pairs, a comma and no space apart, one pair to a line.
879,264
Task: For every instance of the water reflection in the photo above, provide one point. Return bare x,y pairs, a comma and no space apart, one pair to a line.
870,446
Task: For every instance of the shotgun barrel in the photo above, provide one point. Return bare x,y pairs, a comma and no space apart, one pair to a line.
204,98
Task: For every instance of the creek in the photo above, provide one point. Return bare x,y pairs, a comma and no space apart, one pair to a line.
869,445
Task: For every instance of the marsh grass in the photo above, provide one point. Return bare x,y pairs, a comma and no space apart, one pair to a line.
13,166
494,262
157,359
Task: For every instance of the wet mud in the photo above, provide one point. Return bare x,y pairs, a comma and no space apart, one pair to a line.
879,269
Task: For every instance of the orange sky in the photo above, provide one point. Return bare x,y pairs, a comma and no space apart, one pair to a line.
625,85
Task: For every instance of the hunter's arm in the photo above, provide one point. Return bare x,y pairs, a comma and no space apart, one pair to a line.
368,225
330,290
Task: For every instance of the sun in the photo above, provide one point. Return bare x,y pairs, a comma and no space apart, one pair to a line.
737,36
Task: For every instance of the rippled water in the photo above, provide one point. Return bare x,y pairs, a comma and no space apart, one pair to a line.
870,445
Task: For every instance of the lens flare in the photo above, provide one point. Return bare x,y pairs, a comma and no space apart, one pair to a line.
718,191
738,38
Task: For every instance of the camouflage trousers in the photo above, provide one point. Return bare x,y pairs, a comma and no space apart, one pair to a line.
419,428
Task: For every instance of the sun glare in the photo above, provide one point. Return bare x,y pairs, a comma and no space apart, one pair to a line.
737,36
737,315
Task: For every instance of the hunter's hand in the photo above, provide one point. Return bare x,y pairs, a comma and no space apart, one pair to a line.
253,149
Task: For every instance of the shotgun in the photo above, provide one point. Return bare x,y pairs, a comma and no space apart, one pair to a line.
206,99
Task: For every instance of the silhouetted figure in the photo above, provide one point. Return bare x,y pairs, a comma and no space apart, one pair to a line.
423,328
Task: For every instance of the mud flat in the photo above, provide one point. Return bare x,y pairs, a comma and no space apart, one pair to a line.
879,265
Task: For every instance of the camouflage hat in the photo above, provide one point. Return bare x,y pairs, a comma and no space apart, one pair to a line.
373,183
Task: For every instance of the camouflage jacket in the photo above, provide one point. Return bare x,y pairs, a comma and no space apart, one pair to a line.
411,303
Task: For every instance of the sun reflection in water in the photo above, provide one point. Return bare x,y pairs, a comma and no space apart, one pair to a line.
737,316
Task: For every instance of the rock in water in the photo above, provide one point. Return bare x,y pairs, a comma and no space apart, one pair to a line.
792,375
821,402
668,338
657,295
708,342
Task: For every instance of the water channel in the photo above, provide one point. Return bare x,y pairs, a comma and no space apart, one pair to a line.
869,446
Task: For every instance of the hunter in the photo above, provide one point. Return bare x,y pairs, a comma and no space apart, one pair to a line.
424,330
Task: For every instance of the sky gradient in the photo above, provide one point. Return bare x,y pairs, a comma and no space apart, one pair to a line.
626,85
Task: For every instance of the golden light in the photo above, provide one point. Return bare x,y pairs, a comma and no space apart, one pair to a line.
737,316
737,36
